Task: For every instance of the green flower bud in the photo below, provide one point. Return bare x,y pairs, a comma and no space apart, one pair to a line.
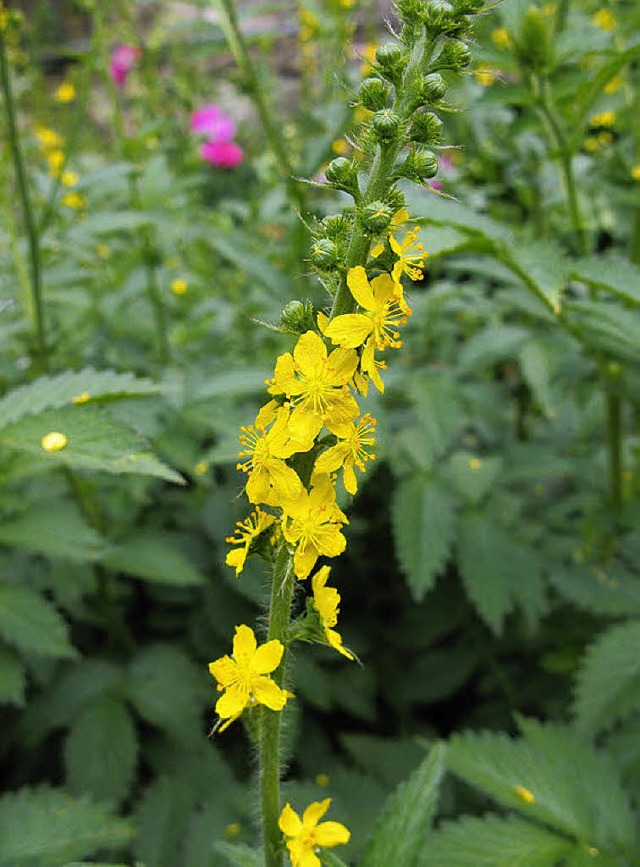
335,226
426,128
342,174
376,217
298,317
324,254
431,88
534,44
374,93
392,60
439,16
468,7
454,55
419,166
395,199
385,124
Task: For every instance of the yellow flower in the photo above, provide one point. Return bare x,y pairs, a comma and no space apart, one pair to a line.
485,75
49,139
69,178
313,523
350,451
635,172
397,220
54,441
55,159
74,201
604,19
179,287
410,255
201,468
316,384
266,452
524,794
103,251
500,37
327,603
603,119
322,780
244,534
614,84
66,92
243,679
83,397
305,836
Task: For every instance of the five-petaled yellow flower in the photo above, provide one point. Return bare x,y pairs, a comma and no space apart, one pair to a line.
246,531
350,451
411,256
327,602
243,678
305,836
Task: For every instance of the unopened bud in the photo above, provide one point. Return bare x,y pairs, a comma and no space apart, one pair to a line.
454,55
374,93
297,317
392,60
534,44
324,254
335,226
419,166
376,217
439,16
385,124
426,128
342,174
431,88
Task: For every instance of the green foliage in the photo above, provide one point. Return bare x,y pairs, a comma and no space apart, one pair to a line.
31,624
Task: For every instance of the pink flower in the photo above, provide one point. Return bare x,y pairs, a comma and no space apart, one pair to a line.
122,59
226,154
212,121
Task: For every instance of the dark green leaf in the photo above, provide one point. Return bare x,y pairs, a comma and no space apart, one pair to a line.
31,623
153,557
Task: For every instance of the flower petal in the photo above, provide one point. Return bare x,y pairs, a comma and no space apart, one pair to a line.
232,702
361,288
244,644
267,657
332,834
332,459
350,330
224,670
267,692
309,352
289,822
315,812
320,578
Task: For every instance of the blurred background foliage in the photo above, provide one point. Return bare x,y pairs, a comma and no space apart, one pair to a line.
492,575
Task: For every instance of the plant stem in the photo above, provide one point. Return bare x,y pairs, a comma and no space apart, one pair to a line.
562,13
271,721
40,352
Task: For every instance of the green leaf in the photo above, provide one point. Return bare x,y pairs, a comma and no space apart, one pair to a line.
536,369
495,842
612,273
484,551
330,859
53,827
495,343
607,327
227,383
12,677
235,250
472,476
423,526
542,266
162,817
442,211
32,624
405,824
51,392
56,529
168,691
443,241
239,854
152,556
436,399
599,589
95,441
101,751
608,686
570,786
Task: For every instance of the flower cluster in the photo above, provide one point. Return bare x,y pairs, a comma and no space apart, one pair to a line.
219,149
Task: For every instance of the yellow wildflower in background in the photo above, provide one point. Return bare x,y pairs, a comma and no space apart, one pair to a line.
66,92
244,534
305,836
242,678
327,603
54,441
603,119
635,172
55,159
614,84
500,37
525,795
179,286
485,75
69,178
49,139
74,201
604,19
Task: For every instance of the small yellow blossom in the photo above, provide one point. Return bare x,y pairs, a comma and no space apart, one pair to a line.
66,92
201,468
485,75
244,534
500,37
56,160
635,172
54,441
242,678
591,144
350,451
475,463
602,119
327,603
399,218
341,147
83,397
103,250
179,286
233,829
525,795
74,201
49,139
305,836
322,780
604,19
411,256
69,178
614,84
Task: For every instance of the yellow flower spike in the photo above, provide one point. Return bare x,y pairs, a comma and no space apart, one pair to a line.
179,287
304,835
55,159
73,201
604,19
243,678
244,534
602,119
525,795
411,256
83,397
399,218
49,139
351,450
327,603
54,441
69,178
66,92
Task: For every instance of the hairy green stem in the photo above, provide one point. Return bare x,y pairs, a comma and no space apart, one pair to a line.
271,721
39,351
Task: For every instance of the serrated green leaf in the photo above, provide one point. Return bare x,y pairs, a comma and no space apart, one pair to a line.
161,818
472,476
12,677
436,400
608,685
100,752
484,551
599,589
50,392
239,854
401,832
95,441
56,529
442,211
153,557
495,343
53,827
390,760
423,525
607,327
168,691
443,241
228,383
543,265
536,369
495,842
612,273
30,623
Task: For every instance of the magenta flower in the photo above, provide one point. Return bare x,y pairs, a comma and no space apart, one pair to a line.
122,59
212,121
226,154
